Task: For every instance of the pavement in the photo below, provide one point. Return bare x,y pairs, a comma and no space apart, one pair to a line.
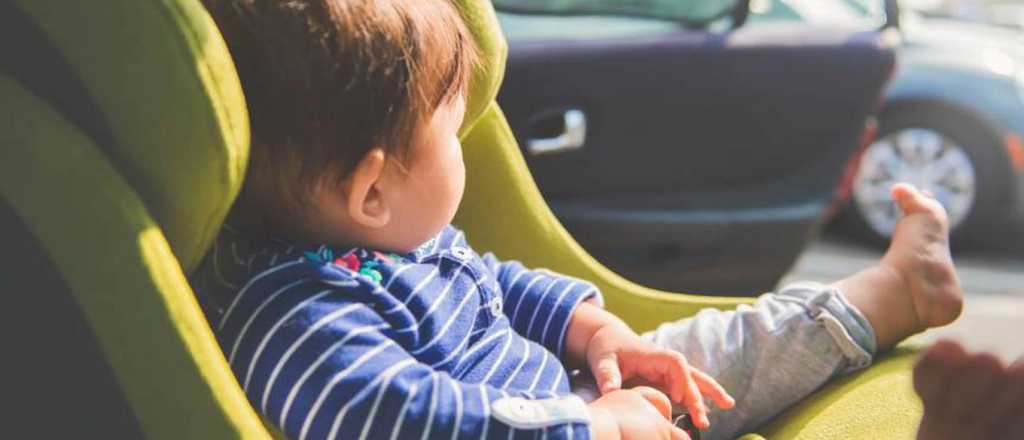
993,282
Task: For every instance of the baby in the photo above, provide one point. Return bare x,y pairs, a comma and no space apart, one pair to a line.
348,307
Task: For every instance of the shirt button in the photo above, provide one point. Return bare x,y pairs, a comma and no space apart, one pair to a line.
461,253
495,306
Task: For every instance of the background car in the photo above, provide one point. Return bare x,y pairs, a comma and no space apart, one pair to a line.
690,159
951,123
1004,13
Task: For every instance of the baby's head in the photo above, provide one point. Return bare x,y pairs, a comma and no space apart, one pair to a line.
354,108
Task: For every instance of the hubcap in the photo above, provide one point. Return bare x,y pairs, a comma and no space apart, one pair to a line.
919,156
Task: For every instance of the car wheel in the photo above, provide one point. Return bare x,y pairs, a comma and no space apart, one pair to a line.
955,159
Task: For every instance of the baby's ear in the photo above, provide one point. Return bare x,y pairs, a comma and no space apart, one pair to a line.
361,191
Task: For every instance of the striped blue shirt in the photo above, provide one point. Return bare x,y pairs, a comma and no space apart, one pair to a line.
352,343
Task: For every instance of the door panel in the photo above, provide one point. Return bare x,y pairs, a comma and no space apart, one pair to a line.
704,153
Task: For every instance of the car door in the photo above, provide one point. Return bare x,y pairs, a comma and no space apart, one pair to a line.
684,159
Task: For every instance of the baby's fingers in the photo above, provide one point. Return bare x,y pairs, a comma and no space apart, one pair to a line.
682,380
679,434
607,374
712,389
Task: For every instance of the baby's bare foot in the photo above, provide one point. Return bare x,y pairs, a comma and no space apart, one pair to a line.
919,252
969,395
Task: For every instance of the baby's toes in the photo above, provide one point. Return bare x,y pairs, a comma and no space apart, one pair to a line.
912,201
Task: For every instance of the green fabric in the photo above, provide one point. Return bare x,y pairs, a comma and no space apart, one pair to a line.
504,212
479,17
121,272
162,76
688,11
878,403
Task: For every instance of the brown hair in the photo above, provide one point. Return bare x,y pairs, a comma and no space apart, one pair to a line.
327,80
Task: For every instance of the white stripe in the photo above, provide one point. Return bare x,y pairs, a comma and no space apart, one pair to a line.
551,311
451,320
482,329
330,317
401,414
458,410
252,258
319,360
561,336
234,253
216,267
334,381
273,260
522,297
482,343
440,296
270,333
540,371
433,272
536,306
436,270
342,283
385,376
501,358
245,288
435,391
554,384
512,284
255,314
437,241
395,274
376,404
454,352
526,357
485,402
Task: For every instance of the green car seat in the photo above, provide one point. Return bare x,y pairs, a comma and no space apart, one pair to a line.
123,142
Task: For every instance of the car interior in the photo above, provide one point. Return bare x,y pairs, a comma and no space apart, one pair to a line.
703,154
123,144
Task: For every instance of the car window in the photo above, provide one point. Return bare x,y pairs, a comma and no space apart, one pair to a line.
538,27
771,10
860,13
696,12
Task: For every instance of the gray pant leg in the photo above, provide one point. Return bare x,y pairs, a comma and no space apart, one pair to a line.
770,355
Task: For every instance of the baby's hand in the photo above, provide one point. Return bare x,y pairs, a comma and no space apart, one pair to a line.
616,354
638,413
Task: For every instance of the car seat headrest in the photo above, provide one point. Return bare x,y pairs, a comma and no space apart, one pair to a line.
161,81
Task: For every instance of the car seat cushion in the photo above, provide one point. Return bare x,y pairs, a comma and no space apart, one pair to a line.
161,77
483,23
116,263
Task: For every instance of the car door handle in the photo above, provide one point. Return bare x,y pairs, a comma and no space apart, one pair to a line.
572,137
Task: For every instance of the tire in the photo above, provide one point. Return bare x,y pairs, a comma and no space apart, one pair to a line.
983,150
